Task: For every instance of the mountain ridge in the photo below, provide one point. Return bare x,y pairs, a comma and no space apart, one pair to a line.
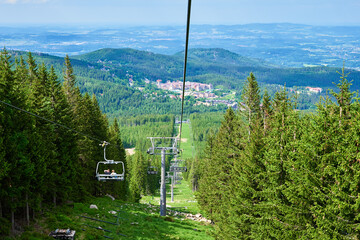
107,74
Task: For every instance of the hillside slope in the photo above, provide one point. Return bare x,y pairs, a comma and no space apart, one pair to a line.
216,66
106,73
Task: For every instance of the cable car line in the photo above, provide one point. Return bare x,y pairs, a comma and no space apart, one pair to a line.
185,65
116,176
35,115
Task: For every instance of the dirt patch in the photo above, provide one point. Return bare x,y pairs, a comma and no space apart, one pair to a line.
184,139
130,151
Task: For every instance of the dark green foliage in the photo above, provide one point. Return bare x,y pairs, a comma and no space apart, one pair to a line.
135,131
41,163
216,176
203,128
106,74
138,171
295,177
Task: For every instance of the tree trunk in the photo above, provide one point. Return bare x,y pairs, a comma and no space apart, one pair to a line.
249,123
54,198
340,116
27,209
40,205
12,218
1,215
264,125
12,221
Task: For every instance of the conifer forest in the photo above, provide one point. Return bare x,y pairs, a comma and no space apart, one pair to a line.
117,121
265,171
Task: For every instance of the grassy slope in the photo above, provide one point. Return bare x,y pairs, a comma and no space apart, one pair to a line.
136,221
187,143
183,196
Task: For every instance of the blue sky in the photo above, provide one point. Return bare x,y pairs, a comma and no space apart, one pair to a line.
173,12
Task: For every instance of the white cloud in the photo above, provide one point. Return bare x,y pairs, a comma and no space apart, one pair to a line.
23,1
11,1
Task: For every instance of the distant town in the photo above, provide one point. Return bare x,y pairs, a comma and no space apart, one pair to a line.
203,92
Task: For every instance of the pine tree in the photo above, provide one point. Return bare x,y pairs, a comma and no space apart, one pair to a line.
22,90
63,182
43,150
137,176
266,110
215,190
32,69
276,209
14,127
249,167
72,92
251,98
332,166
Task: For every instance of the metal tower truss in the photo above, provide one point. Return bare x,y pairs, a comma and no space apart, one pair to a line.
163,146
168,144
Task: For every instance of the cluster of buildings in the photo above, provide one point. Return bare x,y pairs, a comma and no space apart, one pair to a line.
201,94
230,103
174,86
314,90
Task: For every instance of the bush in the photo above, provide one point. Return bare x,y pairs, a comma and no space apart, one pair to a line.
5,227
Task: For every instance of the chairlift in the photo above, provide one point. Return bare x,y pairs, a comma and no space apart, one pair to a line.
152,170
167,180
108,170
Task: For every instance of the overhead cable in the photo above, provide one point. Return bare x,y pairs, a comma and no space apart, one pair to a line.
185,65
58,124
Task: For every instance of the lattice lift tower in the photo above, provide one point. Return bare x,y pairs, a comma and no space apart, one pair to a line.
163,146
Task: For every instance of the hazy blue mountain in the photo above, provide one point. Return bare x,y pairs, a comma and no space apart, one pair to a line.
291,45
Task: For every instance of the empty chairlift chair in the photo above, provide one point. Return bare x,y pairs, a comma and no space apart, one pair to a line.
109,170
152,170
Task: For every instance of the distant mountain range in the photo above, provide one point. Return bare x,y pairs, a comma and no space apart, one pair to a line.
289,45
216,66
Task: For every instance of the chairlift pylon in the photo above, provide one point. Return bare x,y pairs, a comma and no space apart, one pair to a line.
107,175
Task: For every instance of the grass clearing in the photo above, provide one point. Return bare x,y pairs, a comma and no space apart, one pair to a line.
116,220
188,145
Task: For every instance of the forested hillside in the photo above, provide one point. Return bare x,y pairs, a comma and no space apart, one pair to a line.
106,73
271,173
221,67
135,130
50,136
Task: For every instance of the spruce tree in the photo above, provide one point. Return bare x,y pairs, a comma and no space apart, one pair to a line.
276,209
15,127
43,150
249,167
333,167
215,191
137,176
64,181
72,92
251,98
